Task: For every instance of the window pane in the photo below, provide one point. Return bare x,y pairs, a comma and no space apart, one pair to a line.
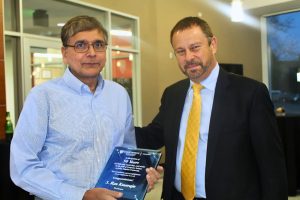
122,63
12,61
122,32
46,64
11,8
283,39
46,18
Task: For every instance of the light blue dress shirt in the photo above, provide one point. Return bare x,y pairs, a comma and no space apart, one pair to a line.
65,135
207,95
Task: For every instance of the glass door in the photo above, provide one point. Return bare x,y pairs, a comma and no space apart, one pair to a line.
125,63
42,62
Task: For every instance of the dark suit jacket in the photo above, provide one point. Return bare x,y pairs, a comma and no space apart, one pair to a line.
245,159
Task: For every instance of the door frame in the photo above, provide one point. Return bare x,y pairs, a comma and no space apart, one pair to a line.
28,42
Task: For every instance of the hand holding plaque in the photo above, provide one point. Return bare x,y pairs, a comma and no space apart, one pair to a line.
125,171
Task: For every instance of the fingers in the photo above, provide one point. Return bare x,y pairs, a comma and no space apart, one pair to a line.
160,170
114,193
153,175
101,194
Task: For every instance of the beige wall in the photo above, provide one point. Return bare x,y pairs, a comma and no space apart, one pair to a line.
237,43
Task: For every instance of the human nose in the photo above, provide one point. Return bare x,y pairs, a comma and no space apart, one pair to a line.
189,54
91,50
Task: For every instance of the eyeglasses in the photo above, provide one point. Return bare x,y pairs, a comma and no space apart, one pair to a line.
83,46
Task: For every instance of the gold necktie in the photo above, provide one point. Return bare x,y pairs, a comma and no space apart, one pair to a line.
188,164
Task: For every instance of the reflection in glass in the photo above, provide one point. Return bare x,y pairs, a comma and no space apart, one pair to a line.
46,64
11,15
43,19
122,63
283,39
122,32
12,61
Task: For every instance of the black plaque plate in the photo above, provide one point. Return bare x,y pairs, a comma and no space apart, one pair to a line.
125,171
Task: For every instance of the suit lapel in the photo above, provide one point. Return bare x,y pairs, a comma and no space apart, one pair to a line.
177,103
216,118
180,96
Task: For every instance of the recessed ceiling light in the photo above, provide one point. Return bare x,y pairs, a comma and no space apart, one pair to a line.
237,12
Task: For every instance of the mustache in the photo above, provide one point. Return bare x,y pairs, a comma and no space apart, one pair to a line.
193,63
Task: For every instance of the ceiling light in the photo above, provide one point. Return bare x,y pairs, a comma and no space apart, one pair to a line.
237,12
60,24
121,33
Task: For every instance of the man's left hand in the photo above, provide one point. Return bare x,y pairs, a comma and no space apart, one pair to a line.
153,175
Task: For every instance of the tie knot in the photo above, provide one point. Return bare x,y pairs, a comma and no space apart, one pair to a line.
197,88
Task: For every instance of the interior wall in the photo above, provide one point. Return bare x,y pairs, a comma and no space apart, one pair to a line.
237,43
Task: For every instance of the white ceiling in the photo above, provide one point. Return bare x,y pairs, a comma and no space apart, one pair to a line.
250,4
265,7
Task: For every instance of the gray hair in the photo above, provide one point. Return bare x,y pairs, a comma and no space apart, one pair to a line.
79,24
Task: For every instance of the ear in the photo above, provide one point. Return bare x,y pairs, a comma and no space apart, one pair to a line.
64,55
214,44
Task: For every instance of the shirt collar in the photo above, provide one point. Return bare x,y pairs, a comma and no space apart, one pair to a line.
74,83
211,81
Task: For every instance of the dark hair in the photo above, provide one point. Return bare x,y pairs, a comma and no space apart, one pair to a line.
189,22
79,24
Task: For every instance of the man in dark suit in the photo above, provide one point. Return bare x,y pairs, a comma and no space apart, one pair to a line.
239,154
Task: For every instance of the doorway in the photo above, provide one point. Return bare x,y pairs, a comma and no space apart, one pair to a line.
42,62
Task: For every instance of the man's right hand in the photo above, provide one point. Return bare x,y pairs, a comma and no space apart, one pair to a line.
101,194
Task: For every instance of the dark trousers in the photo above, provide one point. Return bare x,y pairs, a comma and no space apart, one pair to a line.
178,196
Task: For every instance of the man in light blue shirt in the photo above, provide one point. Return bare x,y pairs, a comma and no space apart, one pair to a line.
69,126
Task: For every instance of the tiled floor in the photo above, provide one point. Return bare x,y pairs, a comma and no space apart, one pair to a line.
156,192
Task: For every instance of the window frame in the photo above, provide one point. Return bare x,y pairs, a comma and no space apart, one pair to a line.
107,72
